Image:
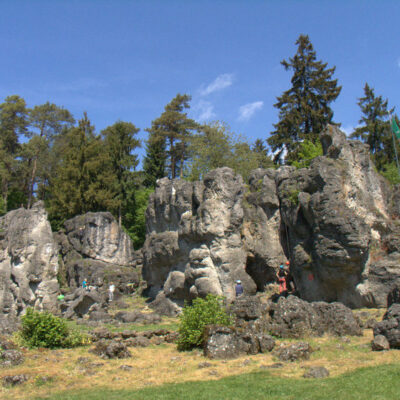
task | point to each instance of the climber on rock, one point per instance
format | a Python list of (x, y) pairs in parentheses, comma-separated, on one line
[(290, 286), (281, 275), (238, 288)]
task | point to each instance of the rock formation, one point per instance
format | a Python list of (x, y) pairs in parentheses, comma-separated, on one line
[(336, 221), (28, 264), (95, 248)]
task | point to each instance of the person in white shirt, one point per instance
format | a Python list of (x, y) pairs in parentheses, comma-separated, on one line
[(111, 292)]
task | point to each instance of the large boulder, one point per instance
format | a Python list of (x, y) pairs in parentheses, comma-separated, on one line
[(221, 342), (295, 318), (95, 248), (389, 327), (28, 264)]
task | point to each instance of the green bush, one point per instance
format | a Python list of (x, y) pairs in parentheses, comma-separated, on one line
[(194, 318), (43, 329)]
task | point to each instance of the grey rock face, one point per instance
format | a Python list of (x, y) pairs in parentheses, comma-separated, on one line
[(28, 265), (194, 245), (94, 248), (336, 213)]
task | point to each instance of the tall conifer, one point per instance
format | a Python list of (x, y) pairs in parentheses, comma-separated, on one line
[(304, 108), (375, 127)]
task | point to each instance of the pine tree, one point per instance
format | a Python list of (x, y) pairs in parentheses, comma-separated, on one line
[(304, 108), (120, 142), (47, 121), (375, 127), (154, 164), (176, 128)]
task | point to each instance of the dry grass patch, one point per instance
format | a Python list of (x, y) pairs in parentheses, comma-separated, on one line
[(69, 369)]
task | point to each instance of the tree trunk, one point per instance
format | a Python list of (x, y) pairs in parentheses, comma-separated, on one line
[(32, 183)]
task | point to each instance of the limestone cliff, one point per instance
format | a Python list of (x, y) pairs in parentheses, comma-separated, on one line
[(336, 221), (95, 248), (28, 264)]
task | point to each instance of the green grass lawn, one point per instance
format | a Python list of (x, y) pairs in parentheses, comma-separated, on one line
[(382, 382)]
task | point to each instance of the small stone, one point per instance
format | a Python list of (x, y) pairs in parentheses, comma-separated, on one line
[(213, 373), (316, 372), (204, 365), (126, 367), (12, 380), (380, 343)]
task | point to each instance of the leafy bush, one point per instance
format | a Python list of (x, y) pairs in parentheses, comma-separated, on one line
[(43, 329), (306, 152), (194, 318), (391, 173)]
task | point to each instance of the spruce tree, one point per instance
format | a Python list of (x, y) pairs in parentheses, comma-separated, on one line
[(304, 108), (154, 164), (84, 181), (375, 127), (120, 142)]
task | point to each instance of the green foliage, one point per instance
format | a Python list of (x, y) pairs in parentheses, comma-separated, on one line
[(155, 159), (176, 128), (195, 317), (3, 208), (391, 173), (294, 197), (85, 180), (135, 218), (215, 146), (43, 329), (375, 129), (304, 108), (306, 152), (16, 198), (120, 142)]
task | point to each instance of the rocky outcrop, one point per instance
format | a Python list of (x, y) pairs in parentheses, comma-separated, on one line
[(95, 248), (28, 264), (336, 221), (194, 245), (337, 216)]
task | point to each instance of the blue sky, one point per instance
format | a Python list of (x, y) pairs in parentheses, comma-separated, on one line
[(126, 60)]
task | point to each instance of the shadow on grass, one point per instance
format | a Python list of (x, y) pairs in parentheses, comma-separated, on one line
[(376, 383)]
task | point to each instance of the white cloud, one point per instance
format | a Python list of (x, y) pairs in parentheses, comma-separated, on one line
[(248, 110), (221, 82), (205, 110)]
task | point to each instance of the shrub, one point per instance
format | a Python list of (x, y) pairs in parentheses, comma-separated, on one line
[(43, 329), (194, 318)]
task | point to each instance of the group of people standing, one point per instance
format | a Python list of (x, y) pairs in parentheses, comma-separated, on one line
[(111, 289)]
